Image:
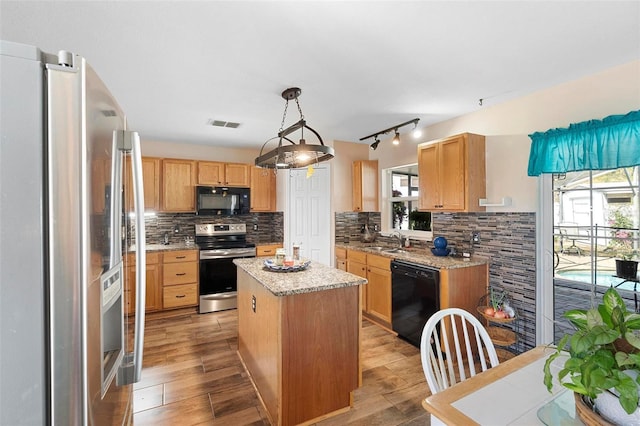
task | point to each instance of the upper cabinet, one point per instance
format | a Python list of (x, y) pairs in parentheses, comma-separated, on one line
[(178, 185), (263, 190), (151, 182), (452, 174), (365, 186), (228, 174)]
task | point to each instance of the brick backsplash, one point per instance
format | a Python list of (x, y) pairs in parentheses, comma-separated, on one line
[(269, 226)]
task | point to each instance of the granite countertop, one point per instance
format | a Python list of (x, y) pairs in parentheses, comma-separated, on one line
[(415, 255), (168, 247), (316, 277)]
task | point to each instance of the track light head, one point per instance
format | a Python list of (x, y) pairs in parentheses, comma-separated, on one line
[(374, 145), (416, 132), (396, 138)]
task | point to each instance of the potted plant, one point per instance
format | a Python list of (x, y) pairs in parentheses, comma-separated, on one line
[(604, 354), (420, 221), (626, 263)]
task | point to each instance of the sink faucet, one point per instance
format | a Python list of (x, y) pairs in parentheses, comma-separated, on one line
[(398, 236)]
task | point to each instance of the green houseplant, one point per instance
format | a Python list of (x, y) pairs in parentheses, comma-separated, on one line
[(602, 351), (420, 221)]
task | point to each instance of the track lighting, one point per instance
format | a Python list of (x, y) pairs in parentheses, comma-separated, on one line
[(416, 132), (396, 137), (375, 144)]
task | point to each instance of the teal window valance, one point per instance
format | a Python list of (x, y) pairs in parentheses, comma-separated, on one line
[(610, 143)]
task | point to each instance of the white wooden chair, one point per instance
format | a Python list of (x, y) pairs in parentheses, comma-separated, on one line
[(454, 346)]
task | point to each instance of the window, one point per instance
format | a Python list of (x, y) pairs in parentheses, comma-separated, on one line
[(400, 203), (596, 215)]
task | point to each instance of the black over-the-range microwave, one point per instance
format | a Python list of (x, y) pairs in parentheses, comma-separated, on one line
[(222, 200)]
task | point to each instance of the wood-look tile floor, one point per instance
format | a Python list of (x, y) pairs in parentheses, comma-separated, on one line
[(192, 375)]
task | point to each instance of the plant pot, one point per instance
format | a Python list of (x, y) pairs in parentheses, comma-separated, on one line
[(585, 412), (627, 269)]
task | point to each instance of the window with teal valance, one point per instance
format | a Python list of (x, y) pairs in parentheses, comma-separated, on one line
[(610, 143)]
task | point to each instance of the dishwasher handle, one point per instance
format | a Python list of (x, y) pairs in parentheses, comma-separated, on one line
[(417, 271)]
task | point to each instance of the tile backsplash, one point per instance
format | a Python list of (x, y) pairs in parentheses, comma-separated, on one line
[(509, 241), (506, 239), (262, 228)]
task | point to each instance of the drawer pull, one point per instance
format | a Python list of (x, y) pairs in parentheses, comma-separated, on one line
[(268, 251), (181, 274), (180, 296), (180, 257)]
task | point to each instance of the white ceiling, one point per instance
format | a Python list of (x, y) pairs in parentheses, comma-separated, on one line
[(362, 66)]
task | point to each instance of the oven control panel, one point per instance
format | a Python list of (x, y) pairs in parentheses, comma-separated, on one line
[(221, 229)]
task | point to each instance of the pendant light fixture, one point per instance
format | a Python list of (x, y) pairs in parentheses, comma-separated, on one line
[(289, 154)]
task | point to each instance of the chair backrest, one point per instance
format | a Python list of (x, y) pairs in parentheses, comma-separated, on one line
[(453, 343)]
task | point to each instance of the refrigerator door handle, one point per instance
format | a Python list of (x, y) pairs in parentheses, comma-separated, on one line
[(131, 370), (141, 256)]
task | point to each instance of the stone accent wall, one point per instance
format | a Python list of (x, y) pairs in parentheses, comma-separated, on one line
[(508, 240), (262, 228)]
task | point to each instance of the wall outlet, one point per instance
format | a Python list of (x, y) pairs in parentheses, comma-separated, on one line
[(475, 237), (176, 228), (255, 226)]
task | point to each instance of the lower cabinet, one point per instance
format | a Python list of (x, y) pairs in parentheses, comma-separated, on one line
[(376, 294), (153, 301), (379, 291), (179, 279), (341, 259)]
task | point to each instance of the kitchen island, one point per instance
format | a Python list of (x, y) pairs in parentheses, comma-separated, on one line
[(299, 338)]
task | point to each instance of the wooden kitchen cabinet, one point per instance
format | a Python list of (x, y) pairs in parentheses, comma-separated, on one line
[(153, 301), (151, 182), (228, 174), (178, 185), (263, 190), (365, 186), (357, 265), (452, 174), (267, 250), (379, 288), (180, 279), (341, 259)]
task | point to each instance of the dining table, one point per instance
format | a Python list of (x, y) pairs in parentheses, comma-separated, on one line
[(511, 393)]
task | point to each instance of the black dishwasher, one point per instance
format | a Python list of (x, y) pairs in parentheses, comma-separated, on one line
[(415, 296)]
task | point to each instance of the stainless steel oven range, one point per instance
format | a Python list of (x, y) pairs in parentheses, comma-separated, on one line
[(219, 244)]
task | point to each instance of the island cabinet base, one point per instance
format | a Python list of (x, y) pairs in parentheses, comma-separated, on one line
[(301, 350)]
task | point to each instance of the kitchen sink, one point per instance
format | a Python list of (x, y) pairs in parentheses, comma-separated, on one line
[(394, 250), (377, 248)]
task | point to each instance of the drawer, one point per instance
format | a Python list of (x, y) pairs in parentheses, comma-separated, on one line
[(180, 256), (357, 256), (180, 273), (379, 262), (153, 258), (341, 253), (269, 250), (180, 295)]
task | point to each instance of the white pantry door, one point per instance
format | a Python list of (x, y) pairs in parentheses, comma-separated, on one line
[(310, 213)]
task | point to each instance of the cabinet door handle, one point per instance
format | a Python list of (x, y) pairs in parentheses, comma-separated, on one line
[(180, 257), (181, 274), (180, 296)]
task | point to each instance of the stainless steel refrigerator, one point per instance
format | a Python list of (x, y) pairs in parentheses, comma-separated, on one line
[(69, 352)]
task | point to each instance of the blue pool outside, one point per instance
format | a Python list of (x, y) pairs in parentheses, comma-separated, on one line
[(602, 278)]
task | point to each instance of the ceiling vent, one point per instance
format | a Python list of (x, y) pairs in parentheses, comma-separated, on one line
[(220, 123)]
